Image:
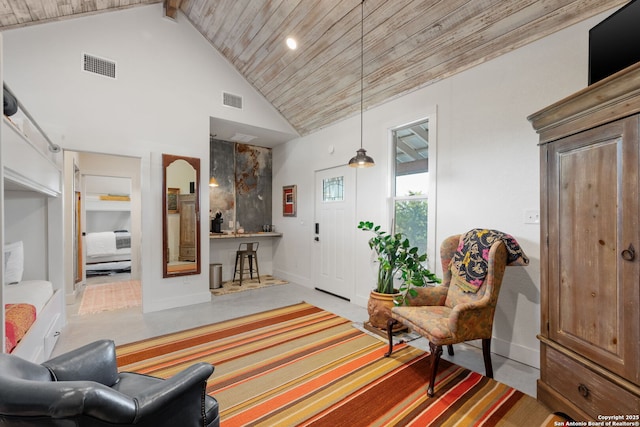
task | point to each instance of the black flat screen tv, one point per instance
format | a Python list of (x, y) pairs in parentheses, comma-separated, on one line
[(614, 44)]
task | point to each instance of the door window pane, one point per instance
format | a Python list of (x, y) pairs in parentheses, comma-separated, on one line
[(333, 189)]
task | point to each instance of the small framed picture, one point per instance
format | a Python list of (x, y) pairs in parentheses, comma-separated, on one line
[(172, 200), (289, 200)]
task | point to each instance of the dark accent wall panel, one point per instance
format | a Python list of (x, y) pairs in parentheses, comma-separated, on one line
[(253, 187), (244, 174), (222, 198)]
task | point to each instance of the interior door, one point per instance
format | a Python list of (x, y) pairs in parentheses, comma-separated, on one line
[(335, 227)]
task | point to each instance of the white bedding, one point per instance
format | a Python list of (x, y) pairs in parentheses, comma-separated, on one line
[(123, 254), (114, 265), (99, 244), (108, 244), (35, 292)]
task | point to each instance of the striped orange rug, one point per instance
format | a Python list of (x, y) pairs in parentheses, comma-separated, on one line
[(303, 366)]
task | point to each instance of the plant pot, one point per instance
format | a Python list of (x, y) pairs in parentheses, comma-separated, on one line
[(379, 309)]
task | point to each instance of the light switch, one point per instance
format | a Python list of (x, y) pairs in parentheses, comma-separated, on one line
[(532, 216)]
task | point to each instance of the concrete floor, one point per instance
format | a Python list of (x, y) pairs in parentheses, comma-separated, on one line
[(128, 325)]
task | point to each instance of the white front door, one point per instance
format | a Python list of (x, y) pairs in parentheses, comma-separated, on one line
[(335, 227)]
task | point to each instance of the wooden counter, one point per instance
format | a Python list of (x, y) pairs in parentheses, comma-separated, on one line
[(243, 235), (223, 247)]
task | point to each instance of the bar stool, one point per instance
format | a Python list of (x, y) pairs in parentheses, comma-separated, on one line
[(249, 251)]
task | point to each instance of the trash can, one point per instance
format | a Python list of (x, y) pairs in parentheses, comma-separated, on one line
[(215, 276)]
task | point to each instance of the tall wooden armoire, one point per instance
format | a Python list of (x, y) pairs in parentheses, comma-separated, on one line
[(187, 244), (590, 250)]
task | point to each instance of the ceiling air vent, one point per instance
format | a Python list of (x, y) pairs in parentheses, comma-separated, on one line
[(104, 67), (231, 100)]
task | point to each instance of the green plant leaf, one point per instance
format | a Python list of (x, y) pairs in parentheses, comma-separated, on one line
[(397, 258)]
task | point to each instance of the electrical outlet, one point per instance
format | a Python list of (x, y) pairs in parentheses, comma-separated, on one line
[(532, 216)]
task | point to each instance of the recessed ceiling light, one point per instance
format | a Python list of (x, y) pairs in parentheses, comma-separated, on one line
[(292, 43)]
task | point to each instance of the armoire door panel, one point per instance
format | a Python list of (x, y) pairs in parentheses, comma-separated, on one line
[(588, 197)]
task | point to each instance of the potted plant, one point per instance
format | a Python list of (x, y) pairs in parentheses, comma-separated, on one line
[(396, 258)]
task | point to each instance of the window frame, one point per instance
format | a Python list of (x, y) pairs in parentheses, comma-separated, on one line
[(430, 117)]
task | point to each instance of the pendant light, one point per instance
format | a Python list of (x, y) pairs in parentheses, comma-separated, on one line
[(361, 160)]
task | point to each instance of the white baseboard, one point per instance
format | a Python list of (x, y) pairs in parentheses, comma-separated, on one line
[(519, 353), (361, 300), (527, 355), (292, 278)]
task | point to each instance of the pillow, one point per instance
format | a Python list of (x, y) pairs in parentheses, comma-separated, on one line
[(13, 263)]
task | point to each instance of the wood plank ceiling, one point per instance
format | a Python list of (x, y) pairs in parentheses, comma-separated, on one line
[(408, 44)]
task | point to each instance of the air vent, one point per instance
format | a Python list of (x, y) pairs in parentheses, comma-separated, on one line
[(231, 100), (104, 67)]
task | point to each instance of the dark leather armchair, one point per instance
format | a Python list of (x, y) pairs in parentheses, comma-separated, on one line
[(84, 388)]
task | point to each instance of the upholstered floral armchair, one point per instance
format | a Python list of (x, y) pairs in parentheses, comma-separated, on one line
[(455, 312)]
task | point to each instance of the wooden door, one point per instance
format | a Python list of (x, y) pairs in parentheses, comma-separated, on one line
[(593, 219)]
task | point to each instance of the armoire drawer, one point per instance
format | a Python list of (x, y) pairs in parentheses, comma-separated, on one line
[(590, 391), (188, 252)]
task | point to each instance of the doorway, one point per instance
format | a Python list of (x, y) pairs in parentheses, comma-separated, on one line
[(335, 225), (108, 220)]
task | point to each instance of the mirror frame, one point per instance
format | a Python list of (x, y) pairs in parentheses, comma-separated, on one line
[(168, 159)]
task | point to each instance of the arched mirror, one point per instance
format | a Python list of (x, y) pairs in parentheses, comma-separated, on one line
[(181, 219)]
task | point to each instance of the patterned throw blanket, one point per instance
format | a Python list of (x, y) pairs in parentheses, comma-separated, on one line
[(18, 320), (470, 265)]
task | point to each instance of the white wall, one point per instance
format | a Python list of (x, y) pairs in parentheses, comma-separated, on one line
[(96, 185), (169, 82), (487, 169), (70, 185), (100, 185), (26, 220)]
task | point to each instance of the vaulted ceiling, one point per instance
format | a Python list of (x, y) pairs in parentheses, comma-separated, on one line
[(408, 44)]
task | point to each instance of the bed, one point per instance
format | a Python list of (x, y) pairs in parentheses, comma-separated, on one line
[(108, 251), (32, 176), (31, 316), (22, 303)]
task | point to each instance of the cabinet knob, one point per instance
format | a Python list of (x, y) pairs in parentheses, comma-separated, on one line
[(583, 390), (628, 254)]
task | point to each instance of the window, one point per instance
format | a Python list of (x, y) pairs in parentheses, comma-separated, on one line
[(411, 183)]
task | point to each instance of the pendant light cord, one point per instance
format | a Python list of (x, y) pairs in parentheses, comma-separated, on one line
[(361, 160), (361, 73)]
